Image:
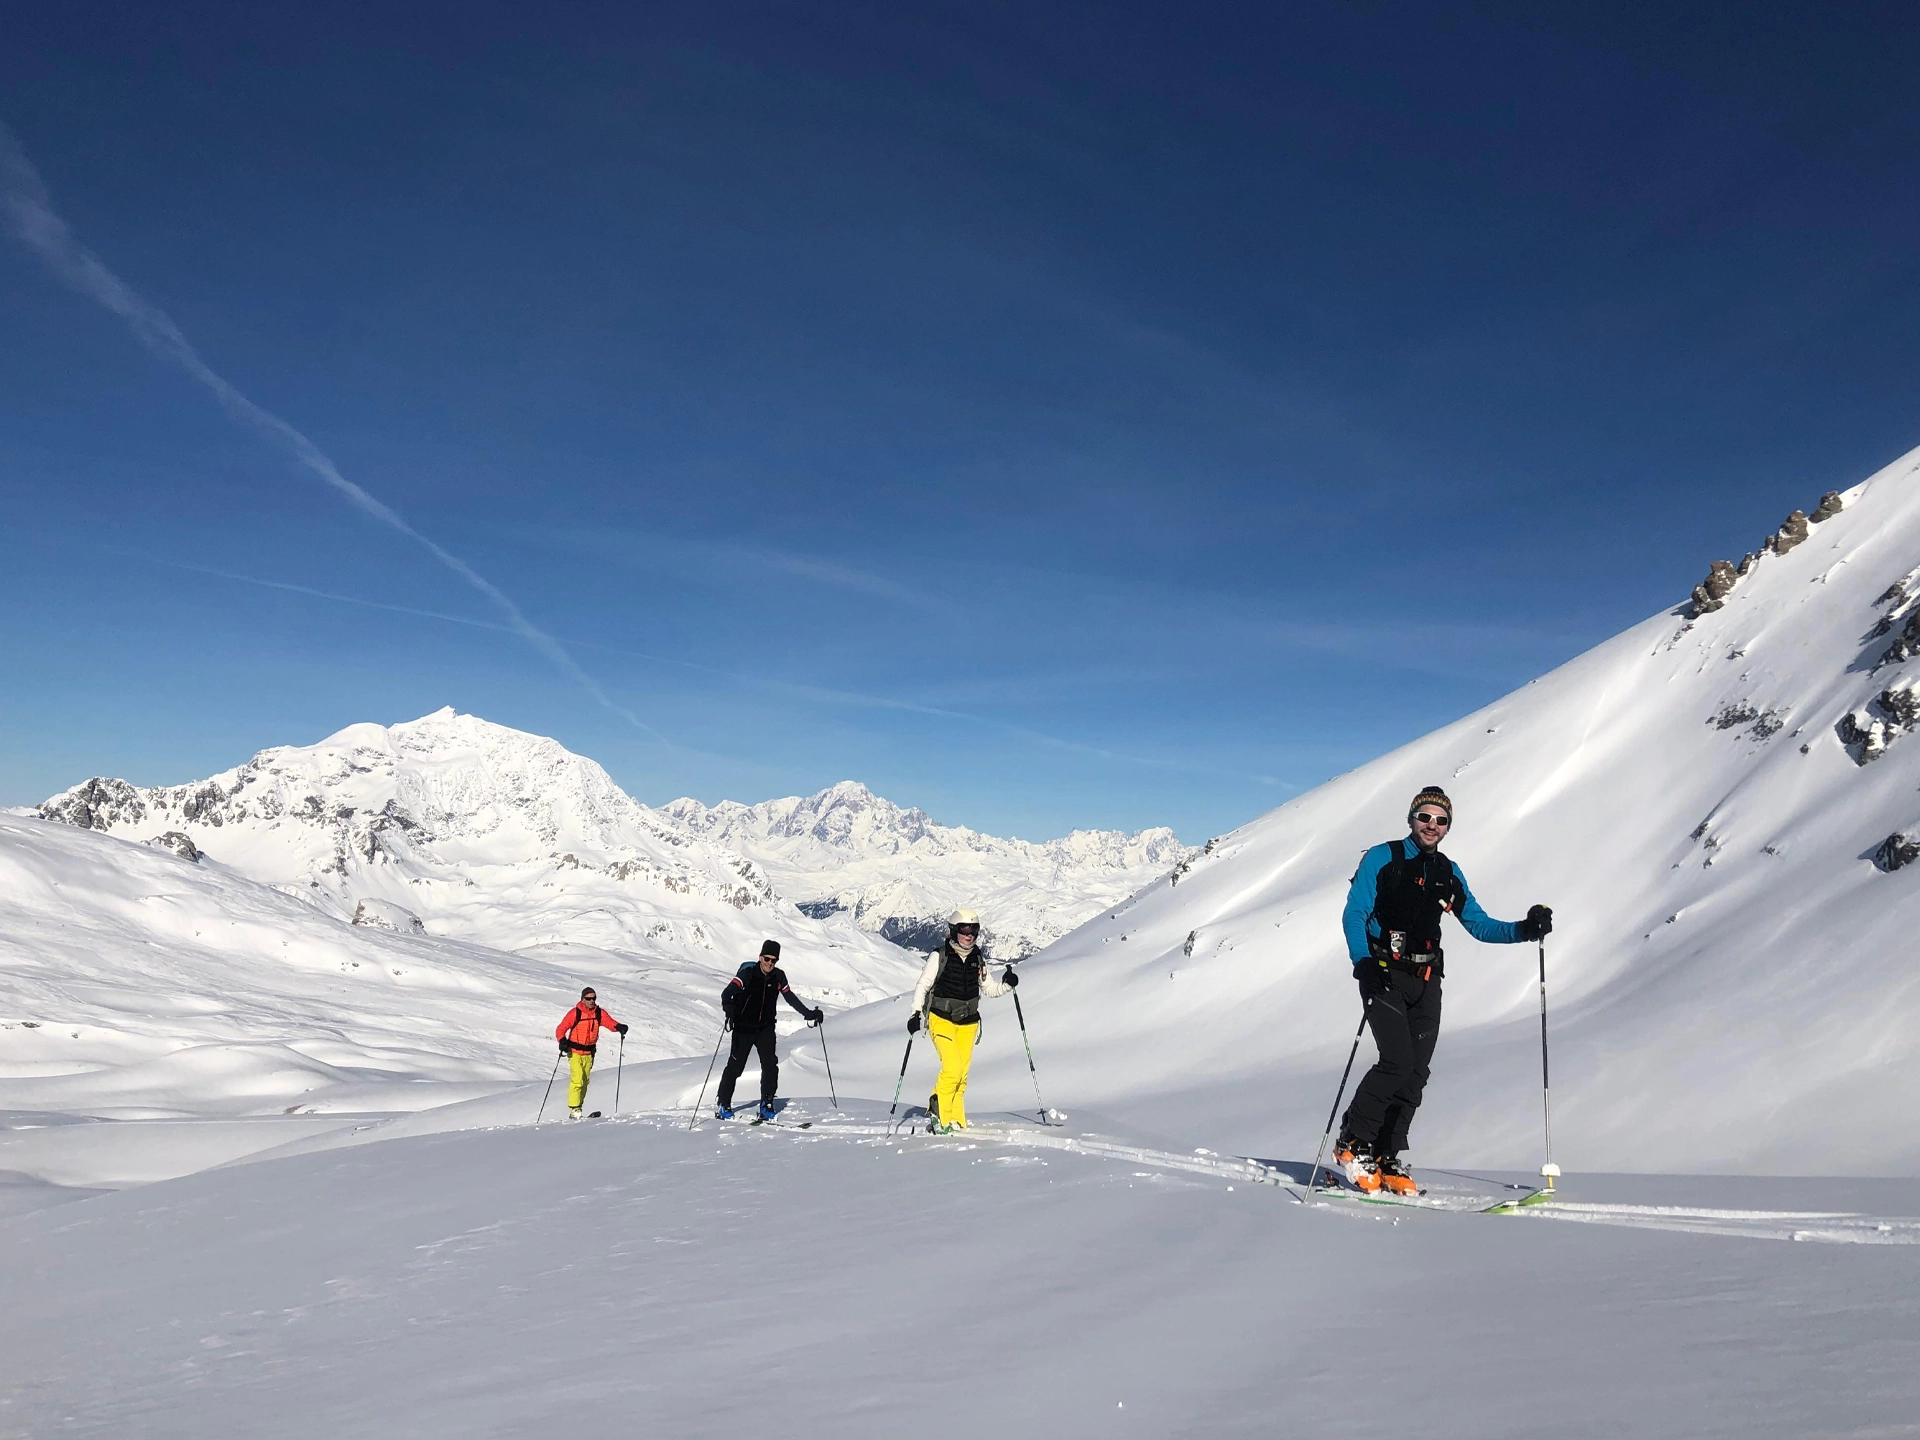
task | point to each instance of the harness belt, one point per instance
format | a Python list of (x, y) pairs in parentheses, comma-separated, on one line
[(1396, 954)]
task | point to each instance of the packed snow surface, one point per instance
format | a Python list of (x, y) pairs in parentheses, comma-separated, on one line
[(644, 1278), (898, 873)]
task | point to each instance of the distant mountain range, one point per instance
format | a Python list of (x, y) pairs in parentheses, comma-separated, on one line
[(279, 932), (453, 826), (899, 874)]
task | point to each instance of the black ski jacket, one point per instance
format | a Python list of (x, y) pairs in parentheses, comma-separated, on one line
[(749, 997)]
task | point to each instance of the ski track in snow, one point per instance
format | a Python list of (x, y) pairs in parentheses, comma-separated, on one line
[(1821, 1226)]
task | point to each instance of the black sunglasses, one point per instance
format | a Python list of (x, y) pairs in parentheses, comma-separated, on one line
[(966, 929), (1443, 821)]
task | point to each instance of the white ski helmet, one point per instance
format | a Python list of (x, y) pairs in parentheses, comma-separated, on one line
[(963, 917)]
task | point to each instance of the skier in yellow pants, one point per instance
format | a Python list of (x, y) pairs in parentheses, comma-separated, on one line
[(578, 1033), (948, 997)]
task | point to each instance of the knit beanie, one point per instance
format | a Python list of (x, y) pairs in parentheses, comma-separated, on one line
[(770, 949), (1430, 795)]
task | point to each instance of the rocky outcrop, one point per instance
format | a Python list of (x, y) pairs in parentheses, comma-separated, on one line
[(1869, 731), (174, 843), (1711, 594), (1792, 531), (1761, 724), (97, 804), (1896, 851), (385, 915), (1905, 645)]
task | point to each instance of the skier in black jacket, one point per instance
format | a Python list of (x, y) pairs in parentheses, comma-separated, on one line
[(1392, 924), (749, 1001)]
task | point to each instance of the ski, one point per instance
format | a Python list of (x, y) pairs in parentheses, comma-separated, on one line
[(781, 1124), (1510, 1207), (1499, 1207)]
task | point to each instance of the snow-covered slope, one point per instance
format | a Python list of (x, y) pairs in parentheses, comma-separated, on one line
[(1708, 803), (136, 984), (452, 826), (898, 874)]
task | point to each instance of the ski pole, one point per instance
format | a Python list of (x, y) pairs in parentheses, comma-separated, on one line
[(1029, 1044), (903, 1076), (1313, 1175), (619, 1069), (1550, 1170), (829, 1059), (695, 1118), (549, 1095)]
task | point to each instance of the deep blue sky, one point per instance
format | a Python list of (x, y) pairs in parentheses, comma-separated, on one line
[(1051, 415)]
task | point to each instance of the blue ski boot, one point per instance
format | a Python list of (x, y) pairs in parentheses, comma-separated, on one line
[(723, 1112), (767, 1112)]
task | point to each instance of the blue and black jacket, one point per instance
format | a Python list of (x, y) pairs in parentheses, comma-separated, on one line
[(1400, 889)]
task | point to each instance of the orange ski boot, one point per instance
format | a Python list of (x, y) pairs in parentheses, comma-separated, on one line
[(1360, 1168), (1394, 1178)]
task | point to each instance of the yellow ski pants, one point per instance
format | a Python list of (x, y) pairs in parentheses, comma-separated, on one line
[(579, 1069), (955, 1046)]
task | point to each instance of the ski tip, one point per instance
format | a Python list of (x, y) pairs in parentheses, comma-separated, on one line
[(1514, 1207)]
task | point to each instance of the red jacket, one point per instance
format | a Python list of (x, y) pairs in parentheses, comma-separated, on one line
[(581, 1030)]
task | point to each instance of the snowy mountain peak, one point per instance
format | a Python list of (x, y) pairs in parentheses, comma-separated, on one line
[(491, 793)]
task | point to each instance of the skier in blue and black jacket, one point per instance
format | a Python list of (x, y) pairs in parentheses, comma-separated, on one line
[(1392, 924)]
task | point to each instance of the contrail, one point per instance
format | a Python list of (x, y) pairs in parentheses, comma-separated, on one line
[(30, 216)]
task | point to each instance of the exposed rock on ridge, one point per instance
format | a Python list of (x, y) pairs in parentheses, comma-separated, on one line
[(1711, 593)]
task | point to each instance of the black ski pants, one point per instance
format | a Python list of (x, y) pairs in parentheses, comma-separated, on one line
[(1403, 1011), (745, 1042)]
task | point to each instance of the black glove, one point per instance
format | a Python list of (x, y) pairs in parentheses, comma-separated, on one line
[(814, 1017), (1538, 924), (913, 1023), (1008, 978), (621, 1028), (566, 1047)]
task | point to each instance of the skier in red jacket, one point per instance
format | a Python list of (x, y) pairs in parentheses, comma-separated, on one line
[(578, 1033)]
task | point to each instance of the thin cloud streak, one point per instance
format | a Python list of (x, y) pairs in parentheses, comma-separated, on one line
[(818, 693), (700, 560), (28, 210)]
